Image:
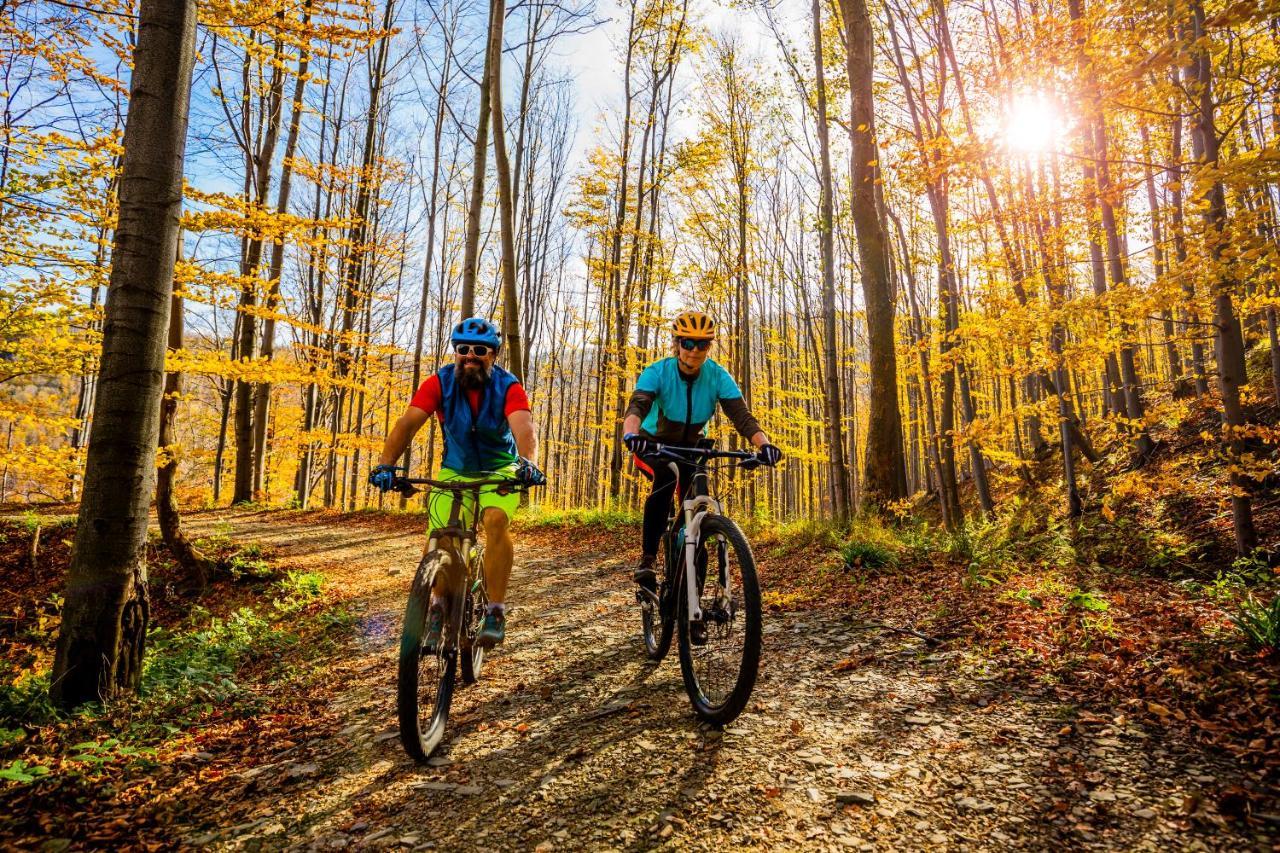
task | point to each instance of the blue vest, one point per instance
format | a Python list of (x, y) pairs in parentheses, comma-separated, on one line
[(482, 442)]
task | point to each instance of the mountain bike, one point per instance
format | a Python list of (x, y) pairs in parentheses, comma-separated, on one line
[(453, 565), (717, 605)]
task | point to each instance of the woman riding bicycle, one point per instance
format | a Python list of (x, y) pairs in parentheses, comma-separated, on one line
[(671, 404)]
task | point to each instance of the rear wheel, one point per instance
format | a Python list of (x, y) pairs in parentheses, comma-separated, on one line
[(424, 684), (719, 660), (472, 654), (657, 618)]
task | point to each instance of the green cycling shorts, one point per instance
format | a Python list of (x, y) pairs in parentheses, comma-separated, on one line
[(441, 501)]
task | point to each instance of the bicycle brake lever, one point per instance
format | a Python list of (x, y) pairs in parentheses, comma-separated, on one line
[(407, 489), (750, 464)]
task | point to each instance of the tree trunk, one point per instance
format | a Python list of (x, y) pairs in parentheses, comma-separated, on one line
[(195, 565), (826, 236), (260, 162), (104, 622), (1228, 337), (476, 205), (506, 214), (433, 209), (886, 475), (275, 268), (1176, 174)]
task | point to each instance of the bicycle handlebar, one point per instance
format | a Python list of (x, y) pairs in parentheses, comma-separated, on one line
[(405, 485), (748, 460)]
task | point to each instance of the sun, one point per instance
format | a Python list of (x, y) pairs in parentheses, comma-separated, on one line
[(1032, 124)]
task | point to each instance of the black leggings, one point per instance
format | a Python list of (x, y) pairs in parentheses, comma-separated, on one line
[(657, 506)]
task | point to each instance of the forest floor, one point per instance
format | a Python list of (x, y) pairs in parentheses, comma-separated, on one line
[(856, 737)]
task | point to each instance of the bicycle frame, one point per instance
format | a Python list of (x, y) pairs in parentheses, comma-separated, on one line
[(466, 536), (695, 508)]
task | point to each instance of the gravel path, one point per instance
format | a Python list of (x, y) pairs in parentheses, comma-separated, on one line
[(572, 740)]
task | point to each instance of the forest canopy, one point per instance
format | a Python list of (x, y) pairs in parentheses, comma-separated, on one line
[(946, 243)]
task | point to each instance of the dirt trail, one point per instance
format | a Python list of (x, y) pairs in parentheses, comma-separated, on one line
[(573, 741)]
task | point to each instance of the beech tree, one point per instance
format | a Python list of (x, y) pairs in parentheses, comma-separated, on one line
[(886, 472), (104, 622)]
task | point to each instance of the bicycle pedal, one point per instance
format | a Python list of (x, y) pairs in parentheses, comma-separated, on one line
[(644, 596)]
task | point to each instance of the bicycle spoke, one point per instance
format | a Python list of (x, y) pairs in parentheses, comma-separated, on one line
[(716, 662)]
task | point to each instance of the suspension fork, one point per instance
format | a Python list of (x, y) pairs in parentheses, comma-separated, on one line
[(695, 510)]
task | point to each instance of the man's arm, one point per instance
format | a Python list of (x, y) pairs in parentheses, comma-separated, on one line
[(525, 433), (401, 434)]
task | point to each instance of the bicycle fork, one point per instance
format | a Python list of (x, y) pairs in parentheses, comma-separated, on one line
[(695, 509)]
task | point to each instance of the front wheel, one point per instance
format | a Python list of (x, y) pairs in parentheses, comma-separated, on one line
[(720, 658), (477, 602), (424, 684)]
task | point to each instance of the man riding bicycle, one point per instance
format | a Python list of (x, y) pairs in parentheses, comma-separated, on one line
[(488, 429), (672, 402)]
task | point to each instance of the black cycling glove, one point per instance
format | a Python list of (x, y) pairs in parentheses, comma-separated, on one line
[(638, 444), (769, 455)]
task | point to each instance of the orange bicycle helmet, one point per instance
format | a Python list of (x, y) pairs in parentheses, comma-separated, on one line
[(695, 325)]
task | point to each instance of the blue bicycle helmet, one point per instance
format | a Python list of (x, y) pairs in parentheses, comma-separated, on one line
[(477, 330)]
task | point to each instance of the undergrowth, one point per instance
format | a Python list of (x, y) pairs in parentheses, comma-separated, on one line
[(535, 518), (222, 660)]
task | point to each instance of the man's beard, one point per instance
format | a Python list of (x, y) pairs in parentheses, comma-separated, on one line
[(473, 375)]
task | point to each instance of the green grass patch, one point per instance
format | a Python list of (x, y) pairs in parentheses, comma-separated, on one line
[(228, 664), (197, 668), (1259, 622), (536, 518)]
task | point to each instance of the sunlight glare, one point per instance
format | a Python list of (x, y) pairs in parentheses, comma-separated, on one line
[(1032, 124)]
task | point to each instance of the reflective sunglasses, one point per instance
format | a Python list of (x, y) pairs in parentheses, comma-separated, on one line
[(689, 344), (472, 349)]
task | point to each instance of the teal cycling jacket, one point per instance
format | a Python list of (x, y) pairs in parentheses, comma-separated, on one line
[(675, 409)]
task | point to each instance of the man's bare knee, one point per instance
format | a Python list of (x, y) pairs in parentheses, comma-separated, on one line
[(495, 522)]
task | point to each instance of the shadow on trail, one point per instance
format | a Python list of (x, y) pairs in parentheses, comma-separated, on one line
[(572, 737)]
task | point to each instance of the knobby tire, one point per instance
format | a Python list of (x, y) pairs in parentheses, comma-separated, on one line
[(472, 655), (420, 738), (657, 621), (725, 710)]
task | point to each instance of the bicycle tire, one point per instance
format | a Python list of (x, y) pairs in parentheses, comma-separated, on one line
[(418, 739), (657, 627), (720, 709), (657, 621), (472, 654)]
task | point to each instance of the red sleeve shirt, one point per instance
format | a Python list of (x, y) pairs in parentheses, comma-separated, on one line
[(429, 395)]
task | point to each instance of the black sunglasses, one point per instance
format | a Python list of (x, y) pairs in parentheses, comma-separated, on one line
[(472, 349), (689, 344)]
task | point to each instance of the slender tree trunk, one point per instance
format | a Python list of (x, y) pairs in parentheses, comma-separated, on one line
[(275, 268), (1160, 268), (471, 257), (260, 164), (511, 342), (1176, 174), (433, 209), (826, 236), (1228, 338), (104, 621), (886, 476), (196, 566)]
